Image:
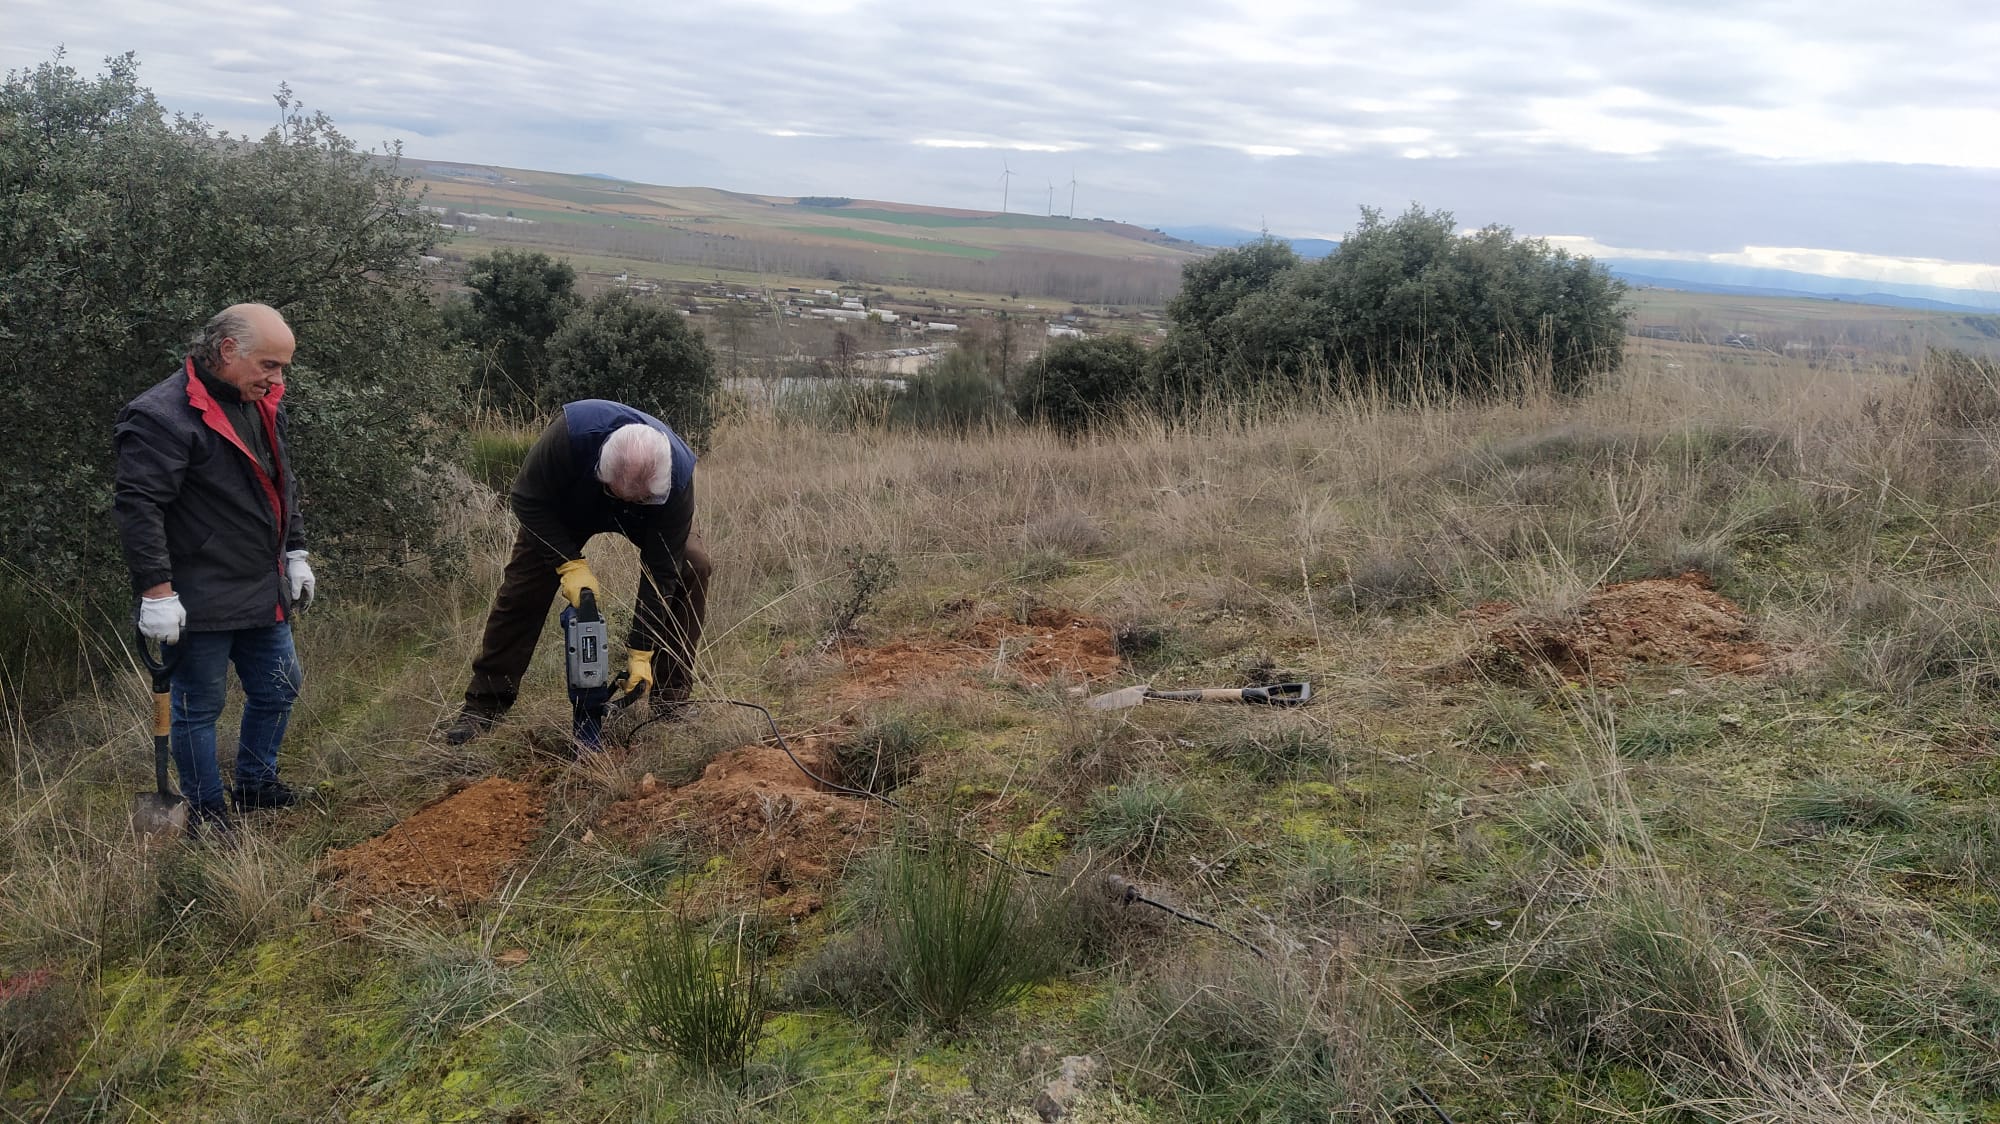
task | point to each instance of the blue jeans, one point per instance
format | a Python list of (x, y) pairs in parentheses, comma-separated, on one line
[(269, 669)]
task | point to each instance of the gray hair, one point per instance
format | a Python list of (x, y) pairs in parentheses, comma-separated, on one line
[(231, 323), (637, 459)]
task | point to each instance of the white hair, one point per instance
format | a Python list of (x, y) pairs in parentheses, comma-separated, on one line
[(232, 323), (637, 460)]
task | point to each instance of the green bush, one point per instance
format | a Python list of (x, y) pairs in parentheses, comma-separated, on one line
[(1406, 306), (883, 755), (1079, 383), (682, 993), (956, 395), (518, 300), (638, 352), (126, 229), (1142, 820), (963, 936), (1651, 982)]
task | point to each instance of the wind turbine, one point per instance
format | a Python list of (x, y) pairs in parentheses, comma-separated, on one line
[(1006, 181), (1052, 198), (1072, 193)]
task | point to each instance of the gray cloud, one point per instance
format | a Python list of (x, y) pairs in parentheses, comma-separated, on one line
[(1702, 125)]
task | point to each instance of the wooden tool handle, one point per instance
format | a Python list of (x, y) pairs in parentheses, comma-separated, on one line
[(1209, 694)]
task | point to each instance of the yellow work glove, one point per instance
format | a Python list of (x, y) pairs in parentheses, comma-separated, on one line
[(576, 577), (639, 674)]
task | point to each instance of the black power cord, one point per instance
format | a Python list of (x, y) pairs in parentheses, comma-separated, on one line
[(1125, 891)]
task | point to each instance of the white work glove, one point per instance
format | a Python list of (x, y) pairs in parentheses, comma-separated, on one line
[(162, 618), (301, 576)]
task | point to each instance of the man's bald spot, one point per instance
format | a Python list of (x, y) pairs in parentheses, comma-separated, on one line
[(257, 325)]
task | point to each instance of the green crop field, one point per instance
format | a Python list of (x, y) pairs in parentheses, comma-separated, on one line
[(894, 240)]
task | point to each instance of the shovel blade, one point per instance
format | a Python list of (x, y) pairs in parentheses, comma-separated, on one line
[(157, 817), (1119, 699)]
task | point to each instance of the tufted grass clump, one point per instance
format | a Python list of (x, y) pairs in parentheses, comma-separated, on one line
[(694, 995)]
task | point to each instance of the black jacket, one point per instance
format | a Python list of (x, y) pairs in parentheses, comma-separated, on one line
[(195, 508), (561, 504)]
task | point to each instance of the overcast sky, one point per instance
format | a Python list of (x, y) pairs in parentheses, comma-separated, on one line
[(1762, 129)]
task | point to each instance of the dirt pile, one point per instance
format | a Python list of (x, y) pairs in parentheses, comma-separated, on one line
[(753, 802), (454, 850), (1051, 644), (1680, 621)]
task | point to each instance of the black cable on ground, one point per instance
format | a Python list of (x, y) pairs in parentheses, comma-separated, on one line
[(1126, 891), (1442, 1114)]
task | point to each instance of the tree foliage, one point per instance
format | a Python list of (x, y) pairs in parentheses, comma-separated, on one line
[(1081, 382), (122, 229), (638, 352), (1407, 305), (517, 302)]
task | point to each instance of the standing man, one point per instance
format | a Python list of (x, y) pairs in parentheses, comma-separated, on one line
[(601, 467), (208, 514)]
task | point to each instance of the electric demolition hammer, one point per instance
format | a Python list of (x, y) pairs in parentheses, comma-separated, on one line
[(587, 657)]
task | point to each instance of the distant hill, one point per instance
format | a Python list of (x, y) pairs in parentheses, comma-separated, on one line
[(1714, 277), (1889, 300), (618, 226), (1229, 236)]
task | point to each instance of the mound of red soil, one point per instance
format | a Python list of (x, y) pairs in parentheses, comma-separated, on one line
[(1053, 643), (753, 802), (454, 850), (1680, 621)]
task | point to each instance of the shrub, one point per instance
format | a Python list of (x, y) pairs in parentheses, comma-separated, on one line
[(637, 352), (884, 755), (126, 230), (1323, 875), (956, 395), (1386, 579), (849, 973), (1080, 383), (684, 994), (1063, 534), (1143, 818), (1650, 982), (1407, 306), (870, 573), (518, 300), (963, 936), (1273, 751)]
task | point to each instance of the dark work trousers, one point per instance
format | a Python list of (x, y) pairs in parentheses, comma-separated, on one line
[(522, 606)]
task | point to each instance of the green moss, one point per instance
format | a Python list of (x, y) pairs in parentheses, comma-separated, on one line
[(1038, 842)]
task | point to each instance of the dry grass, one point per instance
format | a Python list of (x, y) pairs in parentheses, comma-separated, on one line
[(1581, 904)]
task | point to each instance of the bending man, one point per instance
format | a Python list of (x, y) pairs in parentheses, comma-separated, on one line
[(602, 467), (208, 514)]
